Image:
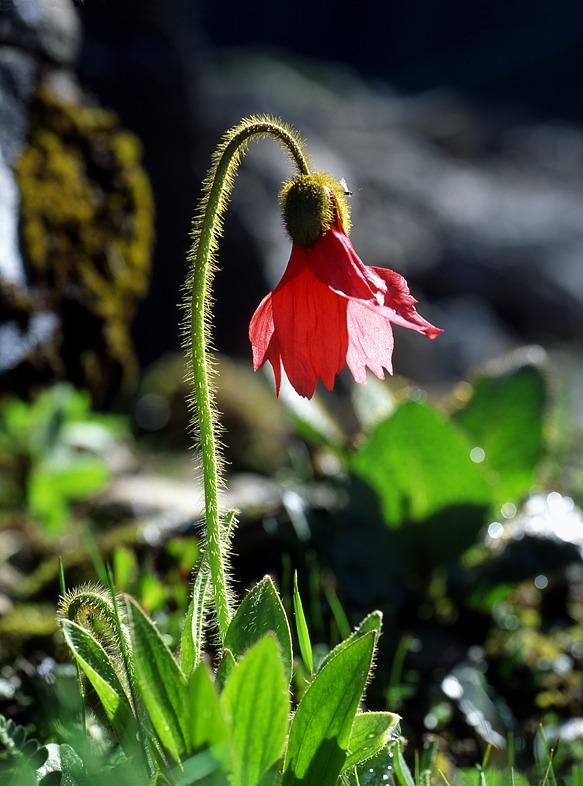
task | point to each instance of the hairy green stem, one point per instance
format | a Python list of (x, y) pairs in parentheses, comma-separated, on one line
[(207, 228)]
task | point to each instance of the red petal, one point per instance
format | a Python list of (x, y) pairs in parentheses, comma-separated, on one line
[(334, 261), (399, 304), (310, 324), (264, 340), (330, 309), (370, 341), (261, 330)]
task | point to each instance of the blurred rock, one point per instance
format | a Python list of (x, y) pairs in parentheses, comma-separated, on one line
[(47, 27), (30, 34)]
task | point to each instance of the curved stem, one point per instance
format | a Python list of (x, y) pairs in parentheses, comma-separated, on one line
[(207, 228)]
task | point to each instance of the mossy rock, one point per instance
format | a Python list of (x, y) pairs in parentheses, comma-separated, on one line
[(87, 232)]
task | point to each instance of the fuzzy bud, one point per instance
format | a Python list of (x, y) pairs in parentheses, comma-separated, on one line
[(309, 204)]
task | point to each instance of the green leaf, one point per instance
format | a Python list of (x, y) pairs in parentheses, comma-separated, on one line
[(370, 733), (47, 504), (227, 665), (74, 477), (208, 728), (320, 730), (256, 701), (426, 764), (302, 630), (192, 640), (469, 777), (160, 681), (372, 622), (125, 567), (101, 673), (402, 771), (260, 612), (192, 633), (52, 484), (378, 770), (504, 418), (419, 464), (62, 760), (189, 651), (202, 768)]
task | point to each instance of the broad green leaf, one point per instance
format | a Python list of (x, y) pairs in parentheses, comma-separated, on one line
[(504, 419), (373, 621), (321, 727), (370, 733), (256, 702), (73, 477), (207, 724), (99, 670), (260, 612), (419, 464), (302, 630), (161, 683)]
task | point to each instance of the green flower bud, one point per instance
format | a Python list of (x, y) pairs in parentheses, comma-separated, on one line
[(309, 204)]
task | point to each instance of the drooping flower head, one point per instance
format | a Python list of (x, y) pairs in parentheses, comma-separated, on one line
[(329, 309)]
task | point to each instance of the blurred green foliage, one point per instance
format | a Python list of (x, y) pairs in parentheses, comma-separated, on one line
[(53, 451)]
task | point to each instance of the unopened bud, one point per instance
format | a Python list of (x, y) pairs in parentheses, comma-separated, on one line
[(310, 204)]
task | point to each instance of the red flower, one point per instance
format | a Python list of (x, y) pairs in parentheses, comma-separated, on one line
[(329, 310)]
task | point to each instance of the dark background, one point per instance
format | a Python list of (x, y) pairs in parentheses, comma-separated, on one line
[(517, 52)]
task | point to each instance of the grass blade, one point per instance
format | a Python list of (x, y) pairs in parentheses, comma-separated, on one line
[(302, 629)]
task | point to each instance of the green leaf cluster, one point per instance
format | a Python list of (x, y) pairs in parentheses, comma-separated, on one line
[(181, 722)]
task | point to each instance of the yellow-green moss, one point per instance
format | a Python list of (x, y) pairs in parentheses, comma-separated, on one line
[(86, 221), (23, 623)]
